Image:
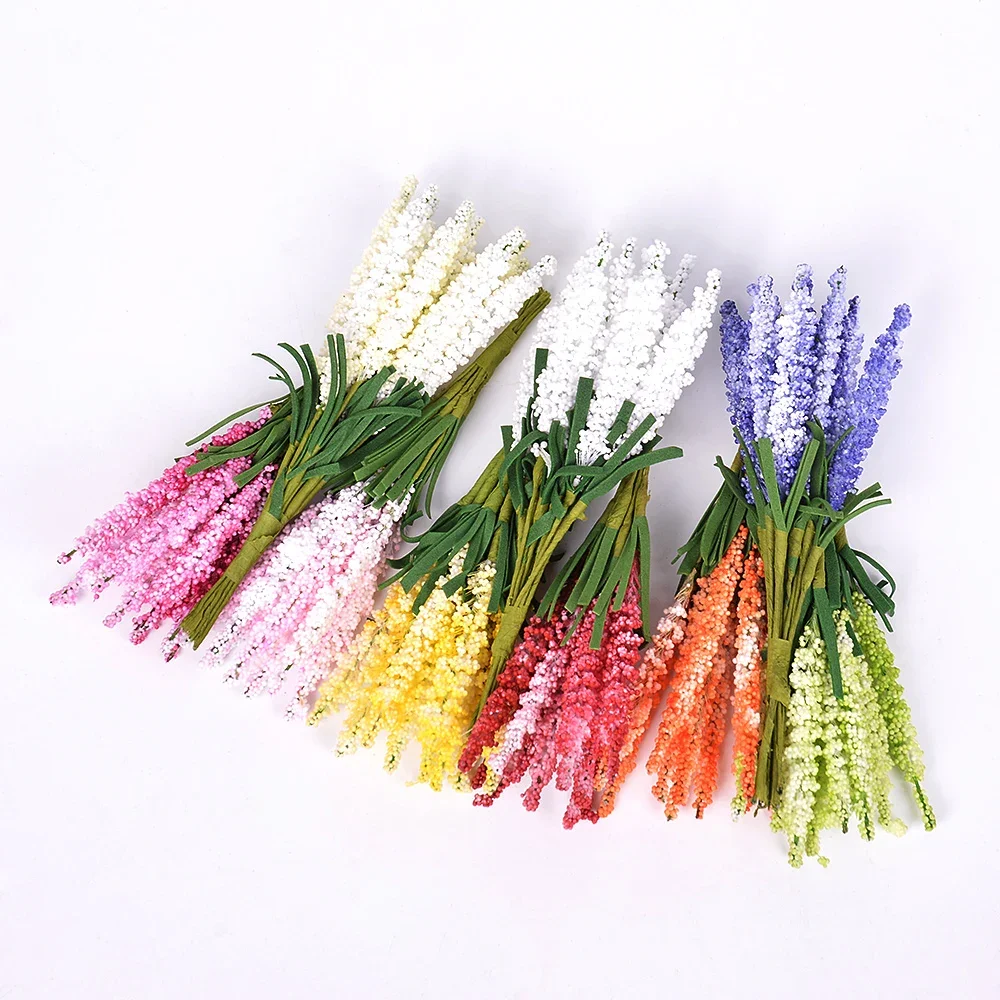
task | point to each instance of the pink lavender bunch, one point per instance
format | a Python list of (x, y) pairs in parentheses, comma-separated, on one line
[(166, 545), (299, 608)]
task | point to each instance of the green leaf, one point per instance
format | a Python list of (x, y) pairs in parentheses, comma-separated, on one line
[(765, 456), (828, 630), (801, 479)]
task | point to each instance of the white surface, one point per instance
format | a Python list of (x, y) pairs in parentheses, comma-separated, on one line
[(184, 184)]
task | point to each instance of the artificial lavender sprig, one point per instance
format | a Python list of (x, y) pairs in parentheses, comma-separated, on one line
[(829, 345), (869, 405), (734, 336), (761, 349), (793, 391)]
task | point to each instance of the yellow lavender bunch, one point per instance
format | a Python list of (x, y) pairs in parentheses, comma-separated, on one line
[(417, 677)]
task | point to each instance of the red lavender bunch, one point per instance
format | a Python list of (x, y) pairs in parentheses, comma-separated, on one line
[(167, 544), (562, 709)]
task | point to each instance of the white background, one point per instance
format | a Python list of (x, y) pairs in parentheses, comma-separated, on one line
[(183, 184)]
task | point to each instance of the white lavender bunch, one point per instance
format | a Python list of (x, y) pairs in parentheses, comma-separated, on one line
[(573, 331), (628, 329), (670, 369), (653, 340), (634, 327)]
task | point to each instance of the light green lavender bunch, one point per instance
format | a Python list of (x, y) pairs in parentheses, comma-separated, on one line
[(840, 752)]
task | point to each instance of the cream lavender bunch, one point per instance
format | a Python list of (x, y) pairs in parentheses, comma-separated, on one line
[(381, 402)]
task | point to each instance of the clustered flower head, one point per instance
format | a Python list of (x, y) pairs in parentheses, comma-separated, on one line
[(416, 677), (422, 300), (562, 710), (841, 751), (785, 365), (654, 671), (299, 608), (625, 325), (748, 642), (717, 663), (165, 546)]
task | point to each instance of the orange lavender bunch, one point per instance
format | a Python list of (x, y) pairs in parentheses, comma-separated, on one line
[(718, 662)]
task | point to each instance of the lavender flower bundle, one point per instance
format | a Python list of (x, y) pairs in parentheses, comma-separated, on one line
[(608, 368), (818, 711), (380, 404), (561, 708), (612, 357)]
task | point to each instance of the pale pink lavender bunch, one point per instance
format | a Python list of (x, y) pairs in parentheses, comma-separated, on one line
[(561, 710), (166, 545), (785, 367), (300, 607)]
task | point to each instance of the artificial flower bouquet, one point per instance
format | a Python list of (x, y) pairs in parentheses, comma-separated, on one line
[(777, 614), (331, 469), (502, 650)]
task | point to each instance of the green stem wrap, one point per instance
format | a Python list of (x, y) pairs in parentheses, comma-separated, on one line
[(793, 566), (199, 621), (803, 573)]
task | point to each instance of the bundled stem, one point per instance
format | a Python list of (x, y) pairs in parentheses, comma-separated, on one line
[(803, 573), (533, 555), (602, 565), (394, 466)]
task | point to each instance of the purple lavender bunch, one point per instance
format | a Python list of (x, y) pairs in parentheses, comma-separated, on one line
[(867, 407), (784, 366)]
